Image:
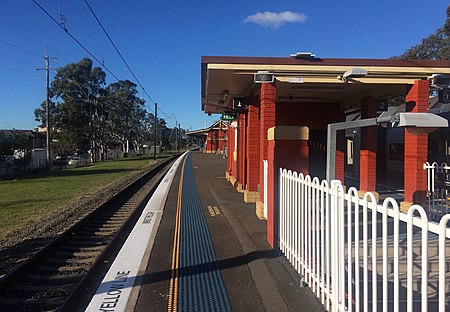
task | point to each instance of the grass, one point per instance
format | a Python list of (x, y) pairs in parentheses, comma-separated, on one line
[(26, 200)]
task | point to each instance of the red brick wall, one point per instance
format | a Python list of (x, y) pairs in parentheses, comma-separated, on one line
[(368, 154), (315, 115), (267, 120), (230, 144), (242, 148), (291, 154), (253, 141), (416, 147)]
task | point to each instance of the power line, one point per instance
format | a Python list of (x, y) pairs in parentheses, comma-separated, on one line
[(123, 59), (31, 37), (17, 60), (22, 49), (78, 42), (93, 56), (117, 50), (20, 71)]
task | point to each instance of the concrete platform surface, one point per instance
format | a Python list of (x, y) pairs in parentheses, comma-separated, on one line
[(254, 276)]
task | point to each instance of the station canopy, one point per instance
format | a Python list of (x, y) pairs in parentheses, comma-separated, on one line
[(311, 80)]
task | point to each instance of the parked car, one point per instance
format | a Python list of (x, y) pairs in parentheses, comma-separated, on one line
[(75, 161)]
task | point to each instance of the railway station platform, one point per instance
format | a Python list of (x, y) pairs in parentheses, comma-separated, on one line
[(210, 252)]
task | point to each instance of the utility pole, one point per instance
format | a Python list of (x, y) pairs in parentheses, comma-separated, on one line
[(179, 134), (47, 107), (176, 135), (155, 126)]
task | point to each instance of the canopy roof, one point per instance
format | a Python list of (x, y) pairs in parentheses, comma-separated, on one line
[(311, 80)]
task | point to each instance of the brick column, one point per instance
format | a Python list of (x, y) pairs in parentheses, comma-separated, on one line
[(340, 156), (368, 150), (287, 148), (230, 145), (266, 121), (241, 158), (251, 194), (416, 149), (232, 153)]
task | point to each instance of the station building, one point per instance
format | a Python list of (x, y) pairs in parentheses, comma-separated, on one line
[(283, 107), (214, 137)]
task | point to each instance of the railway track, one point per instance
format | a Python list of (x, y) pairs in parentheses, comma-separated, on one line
[(47, 280)]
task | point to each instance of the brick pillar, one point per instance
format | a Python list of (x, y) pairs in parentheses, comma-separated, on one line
[(241, 152), (233, 153), (251, 194), (368, 150), (340, 156), (287, 148), (416, 149), (266, 121), (230, 145)]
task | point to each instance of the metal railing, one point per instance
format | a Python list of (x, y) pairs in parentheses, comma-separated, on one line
[(358, 255), (438, 186)]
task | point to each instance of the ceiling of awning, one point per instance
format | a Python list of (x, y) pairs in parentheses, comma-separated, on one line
[(306, 81)]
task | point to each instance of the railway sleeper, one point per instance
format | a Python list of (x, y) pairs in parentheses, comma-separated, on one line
[(69, 261), (77, 254), (43, 288), (38, 304)]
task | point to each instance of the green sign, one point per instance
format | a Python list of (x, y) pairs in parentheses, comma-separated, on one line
[(227, 116)]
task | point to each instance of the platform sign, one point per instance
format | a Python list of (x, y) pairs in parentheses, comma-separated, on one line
[(228, 116), (382, 105), (263, 77), (239, 104)]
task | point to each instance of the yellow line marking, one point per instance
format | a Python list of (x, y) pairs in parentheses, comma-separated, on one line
[(173, 288)]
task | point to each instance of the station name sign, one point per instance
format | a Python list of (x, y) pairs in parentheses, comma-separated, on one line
[(228, 116), (263, 77)]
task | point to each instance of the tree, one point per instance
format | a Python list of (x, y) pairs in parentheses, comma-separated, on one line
[(77, 89), (435, 47), (126, 114), (18, 143)]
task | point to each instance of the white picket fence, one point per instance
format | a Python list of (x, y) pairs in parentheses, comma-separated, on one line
[(438, 185), (357, 255), (266, 167)]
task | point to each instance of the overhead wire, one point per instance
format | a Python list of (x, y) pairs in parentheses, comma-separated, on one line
[(117, 50), (17, 60), (20, 48), (93, 56), (36, 40), (22, 72), (76, 40), (123, 59)]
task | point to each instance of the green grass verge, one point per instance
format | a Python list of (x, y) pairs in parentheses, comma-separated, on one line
[(27, 200)]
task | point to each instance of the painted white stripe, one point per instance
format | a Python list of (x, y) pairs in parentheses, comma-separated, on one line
[(114, 292)]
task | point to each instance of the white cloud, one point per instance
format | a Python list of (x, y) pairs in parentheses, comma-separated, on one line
[(275, 20)]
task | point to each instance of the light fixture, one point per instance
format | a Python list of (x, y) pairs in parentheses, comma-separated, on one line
[(224, 95), (355, 72), (419, 123)]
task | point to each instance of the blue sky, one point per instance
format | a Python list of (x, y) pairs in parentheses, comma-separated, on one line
[(163, 41)]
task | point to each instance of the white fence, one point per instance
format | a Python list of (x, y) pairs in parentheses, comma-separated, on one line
[(438, 185), (266, 168), (357, 255)]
